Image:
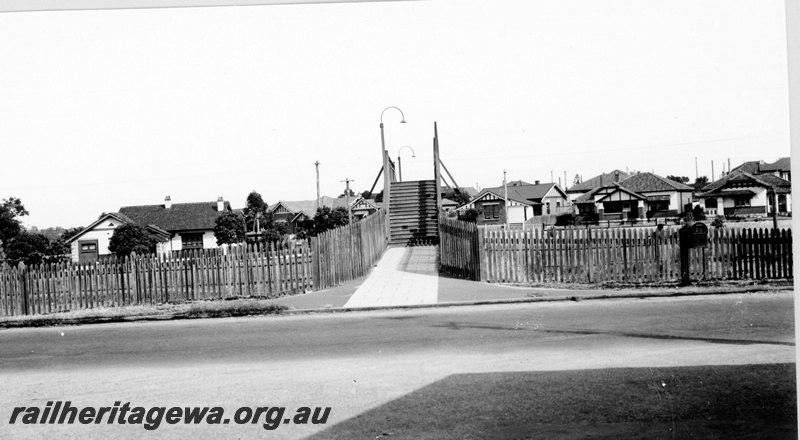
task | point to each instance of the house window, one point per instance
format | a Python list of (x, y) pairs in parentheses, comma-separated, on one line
[(192, 241), (548, 207), (741, 200), (711, 203), (626, 206), (89, 247), (491, 211), (611, 207), (659, 205)]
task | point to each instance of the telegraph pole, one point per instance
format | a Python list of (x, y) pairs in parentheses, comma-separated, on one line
[(316, 204), (505, 196), (347, 199)]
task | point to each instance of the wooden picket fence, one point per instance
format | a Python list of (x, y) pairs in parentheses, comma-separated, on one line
[(458, 248), (334, 257), (636, 255), (348, 252), (242, 271)]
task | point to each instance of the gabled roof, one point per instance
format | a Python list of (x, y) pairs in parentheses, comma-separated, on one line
[(115, 215), (620, 188), (179, 217), (782, 164), (598, 181), (649, 182), (308, 207), (775, 183), (522, 192), (752, 167)]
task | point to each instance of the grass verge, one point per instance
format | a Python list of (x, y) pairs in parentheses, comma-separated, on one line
[(200, 309)]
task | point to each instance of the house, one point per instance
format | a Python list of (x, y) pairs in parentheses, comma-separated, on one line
[(744, 194), (585, 186), (525, 201), (294, 213), (450, 197), (639, 196), (178, 226), (781, 168)]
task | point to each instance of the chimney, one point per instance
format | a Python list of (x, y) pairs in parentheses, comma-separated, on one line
[(167, 202), (220, 204), (535, 182), (616, 176)]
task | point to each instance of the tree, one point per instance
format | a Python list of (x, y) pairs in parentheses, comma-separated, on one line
[(71, 232), (679, 179), (698, 214), (130, 238), (700, 182), (274, 231), (344, 193), (34, 248), (461, 196), (469, 215), (327, 218), (10, 227), (229, 228), (255, 208)]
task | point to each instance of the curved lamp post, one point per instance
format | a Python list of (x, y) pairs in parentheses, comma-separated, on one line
[(384, 156), (399, 166), (385, 162)]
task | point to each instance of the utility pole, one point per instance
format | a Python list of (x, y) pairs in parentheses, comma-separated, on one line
[(316, 204), (729, 165), (505, 195), (713, 176), (565, 179), (347, 199)]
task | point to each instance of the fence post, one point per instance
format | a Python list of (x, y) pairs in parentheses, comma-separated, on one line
[(684, 247), (23, 287)]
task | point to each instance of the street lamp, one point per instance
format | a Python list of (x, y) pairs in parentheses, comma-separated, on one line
[(384, 156), (385, 162), (399, 166)]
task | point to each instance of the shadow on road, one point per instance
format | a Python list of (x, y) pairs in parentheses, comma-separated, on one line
[(744, 401)]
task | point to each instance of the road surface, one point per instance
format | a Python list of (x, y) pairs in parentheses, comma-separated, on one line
[(357, 362)]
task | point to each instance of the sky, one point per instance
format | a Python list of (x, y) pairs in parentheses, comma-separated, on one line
[(107, 108)]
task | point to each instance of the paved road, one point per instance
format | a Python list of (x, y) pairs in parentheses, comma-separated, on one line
[(359, 361)]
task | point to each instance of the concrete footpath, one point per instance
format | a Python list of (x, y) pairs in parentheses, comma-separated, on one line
[(407, 277)]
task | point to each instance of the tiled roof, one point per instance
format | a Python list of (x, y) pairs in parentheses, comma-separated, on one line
[(521, 193), (119, 217), (649, 182), (751, 167), (765, 180), (782, 164), (587, 197), (597, 181), (179, 217), (307, 207)]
